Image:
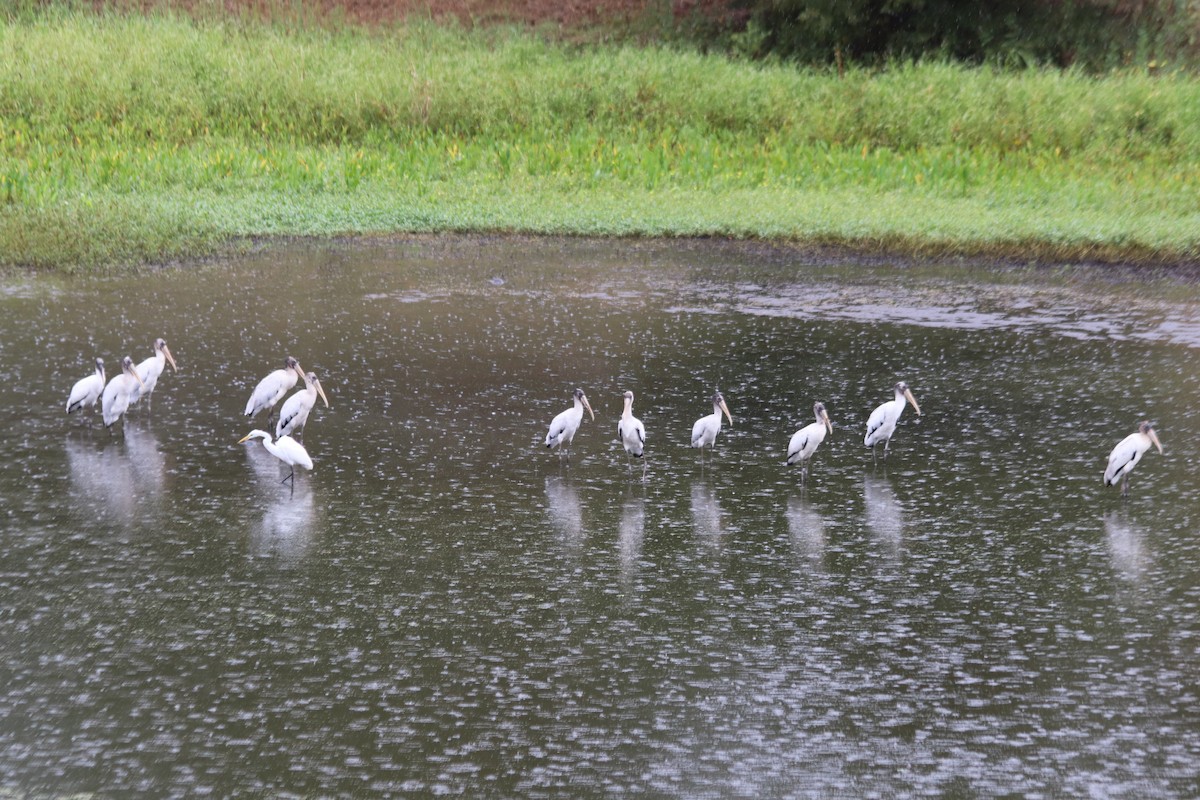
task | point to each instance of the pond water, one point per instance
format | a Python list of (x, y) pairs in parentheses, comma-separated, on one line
[(441, 606)]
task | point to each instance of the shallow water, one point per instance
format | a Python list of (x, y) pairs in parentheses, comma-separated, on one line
[(443, 607)]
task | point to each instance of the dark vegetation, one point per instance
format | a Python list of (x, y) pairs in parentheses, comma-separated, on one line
[(1090, 34)]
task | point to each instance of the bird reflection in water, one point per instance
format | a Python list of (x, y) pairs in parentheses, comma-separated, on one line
[(884, 516), (1131, 558), (288, 525), (631, 529), (706, 511), (117, 478), (564, 508), (807, 529)]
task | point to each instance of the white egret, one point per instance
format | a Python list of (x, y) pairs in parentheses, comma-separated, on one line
[(631, 431), (271, 389), (1126, 455), (805, 441), (118, 392), (151, 368), (563, 427), (705, 430), (882, 422), (86, 391), (285, 448), (294, 413)]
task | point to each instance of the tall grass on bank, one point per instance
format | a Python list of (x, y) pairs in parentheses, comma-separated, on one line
[(131, 139)]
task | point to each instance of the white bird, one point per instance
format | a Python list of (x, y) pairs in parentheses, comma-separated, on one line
[(86, 391), (805, 441), (151, 368), (271, 389), (705, 430), (882, 422), (563, 427), (285, 448), (631, 431), (1126, 455), (118, 392), (294, 413)]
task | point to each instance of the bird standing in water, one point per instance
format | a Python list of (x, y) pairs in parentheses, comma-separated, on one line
[(86, 391), (805, 441), (563, 427), (882, 422), (1126, 455), (632, 433)]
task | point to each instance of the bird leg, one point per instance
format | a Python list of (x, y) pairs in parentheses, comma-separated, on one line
[(290, 477)]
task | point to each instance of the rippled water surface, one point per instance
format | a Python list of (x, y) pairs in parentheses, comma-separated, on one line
[(441, 606)]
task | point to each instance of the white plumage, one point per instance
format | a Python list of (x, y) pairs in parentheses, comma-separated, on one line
[(86, 391), (882, 422), (1126, 455), (118, 392), (563, 427), (285, 448), (805, 441), (151, 368), (705, 429), (294, 414), (271, 389), (630, 430)]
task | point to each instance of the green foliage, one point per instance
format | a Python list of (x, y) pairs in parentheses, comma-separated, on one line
[(135, 139)]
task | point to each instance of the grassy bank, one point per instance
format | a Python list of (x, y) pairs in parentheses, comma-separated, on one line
[(128, 140)]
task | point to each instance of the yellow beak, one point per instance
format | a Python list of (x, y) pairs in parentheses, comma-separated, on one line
[(908, 394)]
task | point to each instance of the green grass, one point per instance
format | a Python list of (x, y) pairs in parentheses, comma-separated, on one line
[(127, 140)]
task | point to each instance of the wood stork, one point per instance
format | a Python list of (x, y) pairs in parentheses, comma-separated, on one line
[(705, 430), (118, 392), (631, 432), (882, 422), (806, 440), (271, 389), (151, 368), (563, 427), (1126, 455), (285, 448), (86, 391), (294, 413)]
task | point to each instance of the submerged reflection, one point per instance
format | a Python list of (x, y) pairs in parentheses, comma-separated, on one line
[(884, 516), (149, 463), (112, 477), (564, 509), (706, 510), (288, 525), (1131, 558), (807, 529), (630, 531)]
